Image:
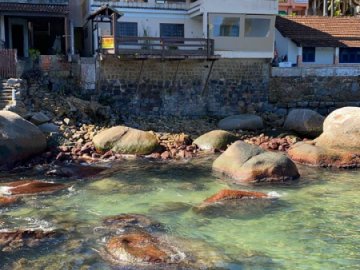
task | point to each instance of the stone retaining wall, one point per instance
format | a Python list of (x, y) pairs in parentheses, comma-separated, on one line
[(321, 89), (183, 88)]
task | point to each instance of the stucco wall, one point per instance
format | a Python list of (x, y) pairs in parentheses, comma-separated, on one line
[(179, 87)]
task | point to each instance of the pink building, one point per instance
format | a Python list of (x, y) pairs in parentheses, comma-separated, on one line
[(290, 7)]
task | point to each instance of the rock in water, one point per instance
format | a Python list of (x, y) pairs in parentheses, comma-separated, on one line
[(125, 140), (305, 122), (6, 201), (139, 247), (131, 221), (249, 163), (228, 194), (242, 121), (216, 139), (28, 187), (19, 139), (13, 240), (234, 202), (338, 145)]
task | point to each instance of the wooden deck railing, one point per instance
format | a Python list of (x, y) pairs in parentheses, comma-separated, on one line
[(164, 47), (8, 63)]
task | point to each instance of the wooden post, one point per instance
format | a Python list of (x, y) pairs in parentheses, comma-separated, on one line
[(66, 30), (114, 25)]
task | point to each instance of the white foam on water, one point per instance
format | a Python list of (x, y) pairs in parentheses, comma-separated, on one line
[(274, 194), (4, 190)]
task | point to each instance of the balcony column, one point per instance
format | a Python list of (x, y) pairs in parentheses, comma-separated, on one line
[(66, 31), (2, 28), (337, 56), (205, 25), (299, 57)]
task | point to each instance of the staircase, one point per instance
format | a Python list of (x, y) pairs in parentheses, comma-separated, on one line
[(5, 94)]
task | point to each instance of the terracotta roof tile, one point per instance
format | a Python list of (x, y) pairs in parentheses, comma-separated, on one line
[(17, 7), (315, 31)]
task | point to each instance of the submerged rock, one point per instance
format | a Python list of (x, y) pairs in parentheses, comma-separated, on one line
[(72, 170), (131, 221), (242, 121), (235, 202), (19, 139), (141, 247), (305, 122), (228, 194), (29, 187), (216, 139), (13, 240), (125, 140), (5, 201), (337, 146), (249, 163)]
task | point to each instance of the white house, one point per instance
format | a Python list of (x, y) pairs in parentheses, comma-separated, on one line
[(236, 28), (314, 40)]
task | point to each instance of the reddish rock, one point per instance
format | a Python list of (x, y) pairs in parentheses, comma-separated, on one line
[(165, 155), (12, 240), (5, 201), (138, 247), (228, 194), (31, 187)]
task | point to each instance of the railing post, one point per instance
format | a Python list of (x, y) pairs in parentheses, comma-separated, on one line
[(13, 96)]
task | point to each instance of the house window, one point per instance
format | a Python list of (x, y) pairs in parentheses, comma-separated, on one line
[(257, 27), (308, 54), (349, 55), (226, 27), (127, 29), (172, 30)]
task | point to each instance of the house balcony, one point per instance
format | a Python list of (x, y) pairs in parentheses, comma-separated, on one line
[(155, 47), (155, 4)]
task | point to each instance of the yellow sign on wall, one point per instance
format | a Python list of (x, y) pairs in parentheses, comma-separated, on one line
[(107, 43)]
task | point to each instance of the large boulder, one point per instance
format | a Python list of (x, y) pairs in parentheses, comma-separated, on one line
[(242, 121), (339, 144), (125, 140), (19, 139), (249, 163), (216, 139), (305, 122)]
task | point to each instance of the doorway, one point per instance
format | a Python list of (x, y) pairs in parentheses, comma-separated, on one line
[(17, 31)]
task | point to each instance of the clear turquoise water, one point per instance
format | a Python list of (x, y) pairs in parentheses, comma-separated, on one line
[(314, 225)]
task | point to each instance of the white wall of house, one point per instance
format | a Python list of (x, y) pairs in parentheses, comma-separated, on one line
[(324, 56), (292, 52), (243, 6)]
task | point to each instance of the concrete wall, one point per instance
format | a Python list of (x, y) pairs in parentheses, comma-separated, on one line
[(179, 87)]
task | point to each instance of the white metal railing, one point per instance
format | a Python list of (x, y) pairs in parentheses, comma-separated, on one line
[(44, 2), (141, 4)]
